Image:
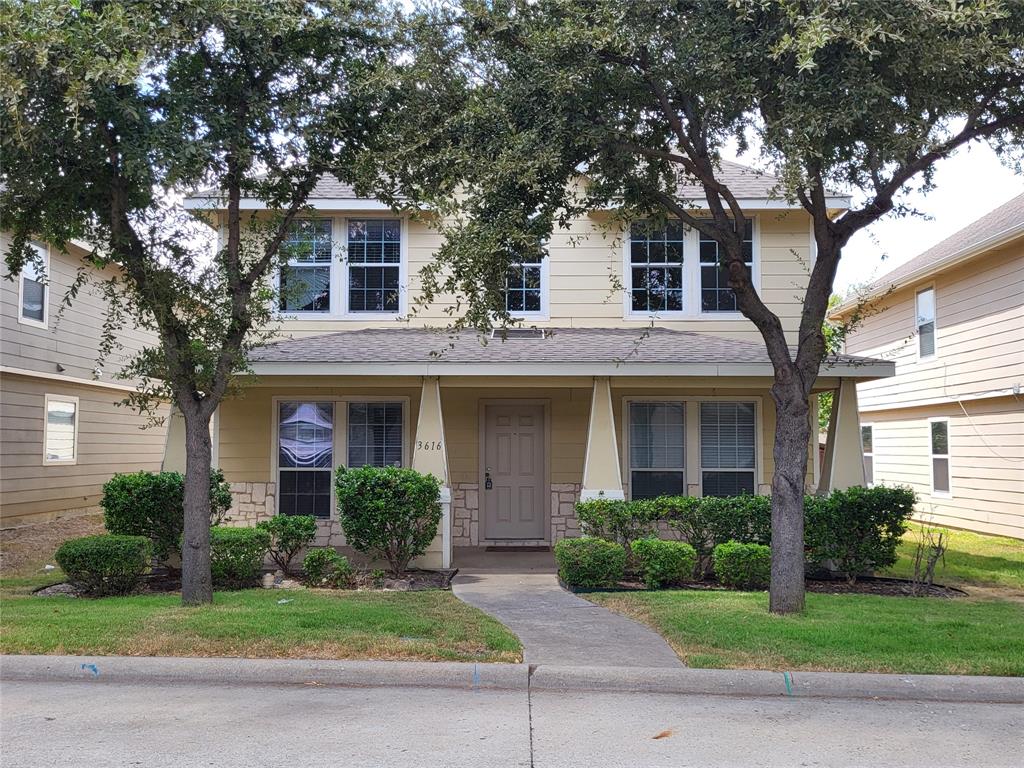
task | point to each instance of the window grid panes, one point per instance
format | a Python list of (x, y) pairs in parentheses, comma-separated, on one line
[(374, 257), (657, 449), (939, 439), (926, 322), (523, 287), (867, 440), (715, 293), (60, 430), (375, 434), (33, 287), (305, 284), (656, 268), (727, 448), (305, 458)]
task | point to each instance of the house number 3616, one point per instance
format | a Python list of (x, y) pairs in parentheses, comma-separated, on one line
[(428, 445)]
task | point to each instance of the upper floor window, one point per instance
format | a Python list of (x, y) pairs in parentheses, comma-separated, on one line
[(524, 287), (32, 288), (926, 322), (656, 268), (306, 278), (715, 293), (374, 265)]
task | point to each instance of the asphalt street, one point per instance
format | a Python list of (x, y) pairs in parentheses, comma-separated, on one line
[(105, 723)]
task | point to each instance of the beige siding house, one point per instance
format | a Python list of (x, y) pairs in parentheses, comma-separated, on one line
[(62, 434), (950, 423), (632, 373)]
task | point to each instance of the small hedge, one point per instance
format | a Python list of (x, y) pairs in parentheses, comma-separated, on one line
[(236, 556), (662, 563), (615, 520), (325, 567), (288, 535), (590, 562), (105, 565), (743, 566), (152, 504)]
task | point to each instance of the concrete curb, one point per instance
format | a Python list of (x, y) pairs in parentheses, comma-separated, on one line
[(514, 677)]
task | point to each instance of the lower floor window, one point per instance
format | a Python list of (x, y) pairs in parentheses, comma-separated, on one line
[(940, 456), (305, 458), (60, 442), (375, 434), (657, 439), (727, 448), (867, 445)]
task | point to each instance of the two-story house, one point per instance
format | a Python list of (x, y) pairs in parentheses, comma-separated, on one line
[(633, 374), (62, 433), (950, 423)]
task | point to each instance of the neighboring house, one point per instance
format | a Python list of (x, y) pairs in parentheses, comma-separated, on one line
[(950, 423), (659, 388), (61, 433)]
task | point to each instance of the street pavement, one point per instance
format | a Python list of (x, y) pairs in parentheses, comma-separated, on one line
[(138, 722)]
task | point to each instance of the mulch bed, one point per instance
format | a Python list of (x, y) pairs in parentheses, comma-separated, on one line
[(865, 585)]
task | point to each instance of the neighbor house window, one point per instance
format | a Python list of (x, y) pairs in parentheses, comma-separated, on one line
[(657, 440), (32, 287), (940, 456), (926, 322), (60, 441), (867, 446), (305, 458), (656, 268), (374, 265), (306, 277), (524, 287), (727, 448), (715, 293), (375, 434)]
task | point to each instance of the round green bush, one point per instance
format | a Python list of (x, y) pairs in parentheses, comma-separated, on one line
[(325, 567), (288, 535), (743, 566), (236, 556), (664, 563), (105, 565), (590, 562)]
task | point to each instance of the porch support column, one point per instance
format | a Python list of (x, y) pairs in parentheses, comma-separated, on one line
[(430, 456), (843, 465), (602, 474), (174, 442)]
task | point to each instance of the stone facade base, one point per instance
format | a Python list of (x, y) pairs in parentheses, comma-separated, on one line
[(253, 502), (466, 527)]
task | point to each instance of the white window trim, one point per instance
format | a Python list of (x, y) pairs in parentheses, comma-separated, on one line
[(340, 274), (545, 292), (340, 446), (935, 322), (691, 425), (871, 453), (47, 399), (691, 279), (45, 322), (948, 456)]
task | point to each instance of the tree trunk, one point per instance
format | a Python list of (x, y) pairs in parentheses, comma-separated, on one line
[(196, 581), (792, 435)]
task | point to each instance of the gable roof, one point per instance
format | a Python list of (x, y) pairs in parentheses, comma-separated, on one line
[(995, 228)]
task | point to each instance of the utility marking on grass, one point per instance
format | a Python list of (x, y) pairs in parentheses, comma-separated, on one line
[(788, 678), (91, 668)]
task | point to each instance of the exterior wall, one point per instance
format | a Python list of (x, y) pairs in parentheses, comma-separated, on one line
[(110, 439), (986, 447), (585, 271)]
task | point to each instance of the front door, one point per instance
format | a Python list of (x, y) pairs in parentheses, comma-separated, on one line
[(513, 490)]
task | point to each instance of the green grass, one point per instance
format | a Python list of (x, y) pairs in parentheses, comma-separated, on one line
[(428, 625), (972, 559), (850, 633)]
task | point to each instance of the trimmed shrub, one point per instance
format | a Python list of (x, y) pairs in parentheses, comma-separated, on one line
[(325, 567), (622, 522), (705, 522), (663, 562), (288, 535), (388, 512), (743, 566), (106, 564), (152, 504), (590, 561), (236, 556), (857, 529)]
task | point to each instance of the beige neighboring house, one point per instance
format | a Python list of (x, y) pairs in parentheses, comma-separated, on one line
[(661, 387), (61, 433), (950, 423)]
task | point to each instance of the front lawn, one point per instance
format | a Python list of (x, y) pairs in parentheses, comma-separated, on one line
[(847, 633), (428, 625), (972, 558)]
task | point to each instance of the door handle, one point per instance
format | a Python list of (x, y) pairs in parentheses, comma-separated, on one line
[(488, 483)]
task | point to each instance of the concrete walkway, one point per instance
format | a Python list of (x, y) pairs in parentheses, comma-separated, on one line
[(559, 628)]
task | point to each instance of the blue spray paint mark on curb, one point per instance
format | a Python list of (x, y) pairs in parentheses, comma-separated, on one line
[(91, 668), (476, 676), (789, 683)]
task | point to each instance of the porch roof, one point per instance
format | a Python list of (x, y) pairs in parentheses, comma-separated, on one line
[(561, 351)]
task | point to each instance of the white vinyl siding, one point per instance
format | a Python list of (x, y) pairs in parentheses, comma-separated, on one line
[(728, 452)]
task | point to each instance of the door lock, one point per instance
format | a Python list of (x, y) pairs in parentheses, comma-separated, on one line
[(488, 483)]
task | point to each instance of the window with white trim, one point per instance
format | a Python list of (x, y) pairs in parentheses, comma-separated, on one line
[(656, 267), (867, 447), (32, 287), (727, 448), (715, 293), (305, 283), (657, 449), (926, 322), (939, 440), (305, 459), (374, 265), (375, 434), (524, 287), (60, 440)]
